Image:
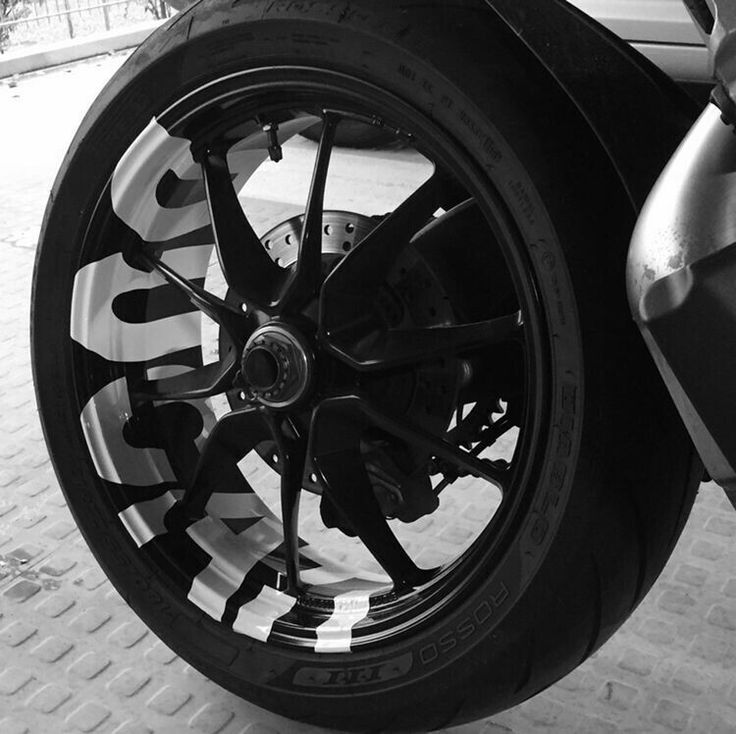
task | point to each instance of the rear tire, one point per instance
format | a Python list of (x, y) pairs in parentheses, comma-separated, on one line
[(609, 474)]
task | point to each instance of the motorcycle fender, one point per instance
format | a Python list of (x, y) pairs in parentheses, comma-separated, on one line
[(680, 277), (637, 113)]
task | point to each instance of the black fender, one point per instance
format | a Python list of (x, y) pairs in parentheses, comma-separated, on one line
[(637, 113)]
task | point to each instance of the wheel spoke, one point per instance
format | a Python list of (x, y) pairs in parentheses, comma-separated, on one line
[(292, 454), (416, 436), (399, 347), (221, 312), (234, 435), (352, 286), (306, 279), (335, 449), (487, 438), (248, 268), (211, 379)]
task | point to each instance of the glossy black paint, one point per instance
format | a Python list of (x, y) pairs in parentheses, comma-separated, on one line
[(638, 114)]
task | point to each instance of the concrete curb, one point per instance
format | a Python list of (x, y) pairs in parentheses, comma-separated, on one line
[(53, 54)]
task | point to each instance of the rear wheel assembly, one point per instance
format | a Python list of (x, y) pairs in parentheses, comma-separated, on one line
[(343, 424)]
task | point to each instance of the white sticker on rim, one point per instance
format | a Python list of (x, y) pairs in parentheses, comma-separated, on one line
[(256, 618), (96, 327), (336, 634), (103, 419), (233, 556)]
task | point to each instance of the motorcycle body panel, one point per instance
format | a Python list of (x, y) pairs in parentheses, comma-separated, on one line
[(682, 262), (681, 270)]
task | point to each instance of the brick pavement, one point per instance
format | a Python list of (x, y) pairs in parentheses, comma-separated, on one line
[(74, 658)]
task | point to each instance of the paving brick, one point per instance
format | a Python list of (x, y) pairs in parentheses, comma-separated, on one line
[(49, 698), (60, 530), (91, 619), (657, 631), (493, 728), (638, 662), (258, 728), (29, 519), (692, 575), (112, 596), (16, 633), (618, 694), (57, 565), (33, 487), (594, 725), (91, 579), (543, 712), (13, 679), (717, 725), (89, 716), (10, 725), (129, 682), (191, 672), (22, 591), (723, 617), (52, 649), (7, 477), (6, 507), (672, 715), (690, 679), (128, 634), (168, 700), (132, 727), (706, 550), (211, 719), (729, 588), (160, 653), (89, 665), (457, 534), (57, 500), (25, 553), (718, 525), (677, 601), (56, 605), (576, 681), (708, 648)]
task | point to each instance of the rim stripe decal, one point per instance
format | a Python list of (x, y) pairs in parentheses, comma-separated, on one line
[(114, 458), (155, 151), (233, 556), (224, 506), (136, 177), (97, 328), (335, 635), (256, 618), (145, 520)]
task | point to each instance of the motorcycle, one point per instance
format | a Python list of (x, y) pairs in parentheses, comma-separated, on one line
[(396, 457)]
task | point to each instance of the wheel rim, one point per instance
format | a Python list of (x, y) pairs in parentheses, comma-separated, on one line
[(311, 370)]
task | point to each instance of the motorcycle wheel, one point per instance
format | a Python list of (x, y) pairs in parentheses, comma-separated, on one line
[(465, 344)]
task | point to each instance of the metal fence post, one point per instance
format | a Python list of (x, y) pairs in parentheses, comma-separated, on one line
[(69, 19)]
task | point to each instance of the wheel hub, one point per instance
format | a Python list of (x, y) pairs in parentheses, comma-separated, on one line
[(277, 365)]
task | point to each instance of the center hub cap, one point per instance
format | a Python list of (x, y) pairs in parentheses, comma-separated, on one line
[(277, 365)]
